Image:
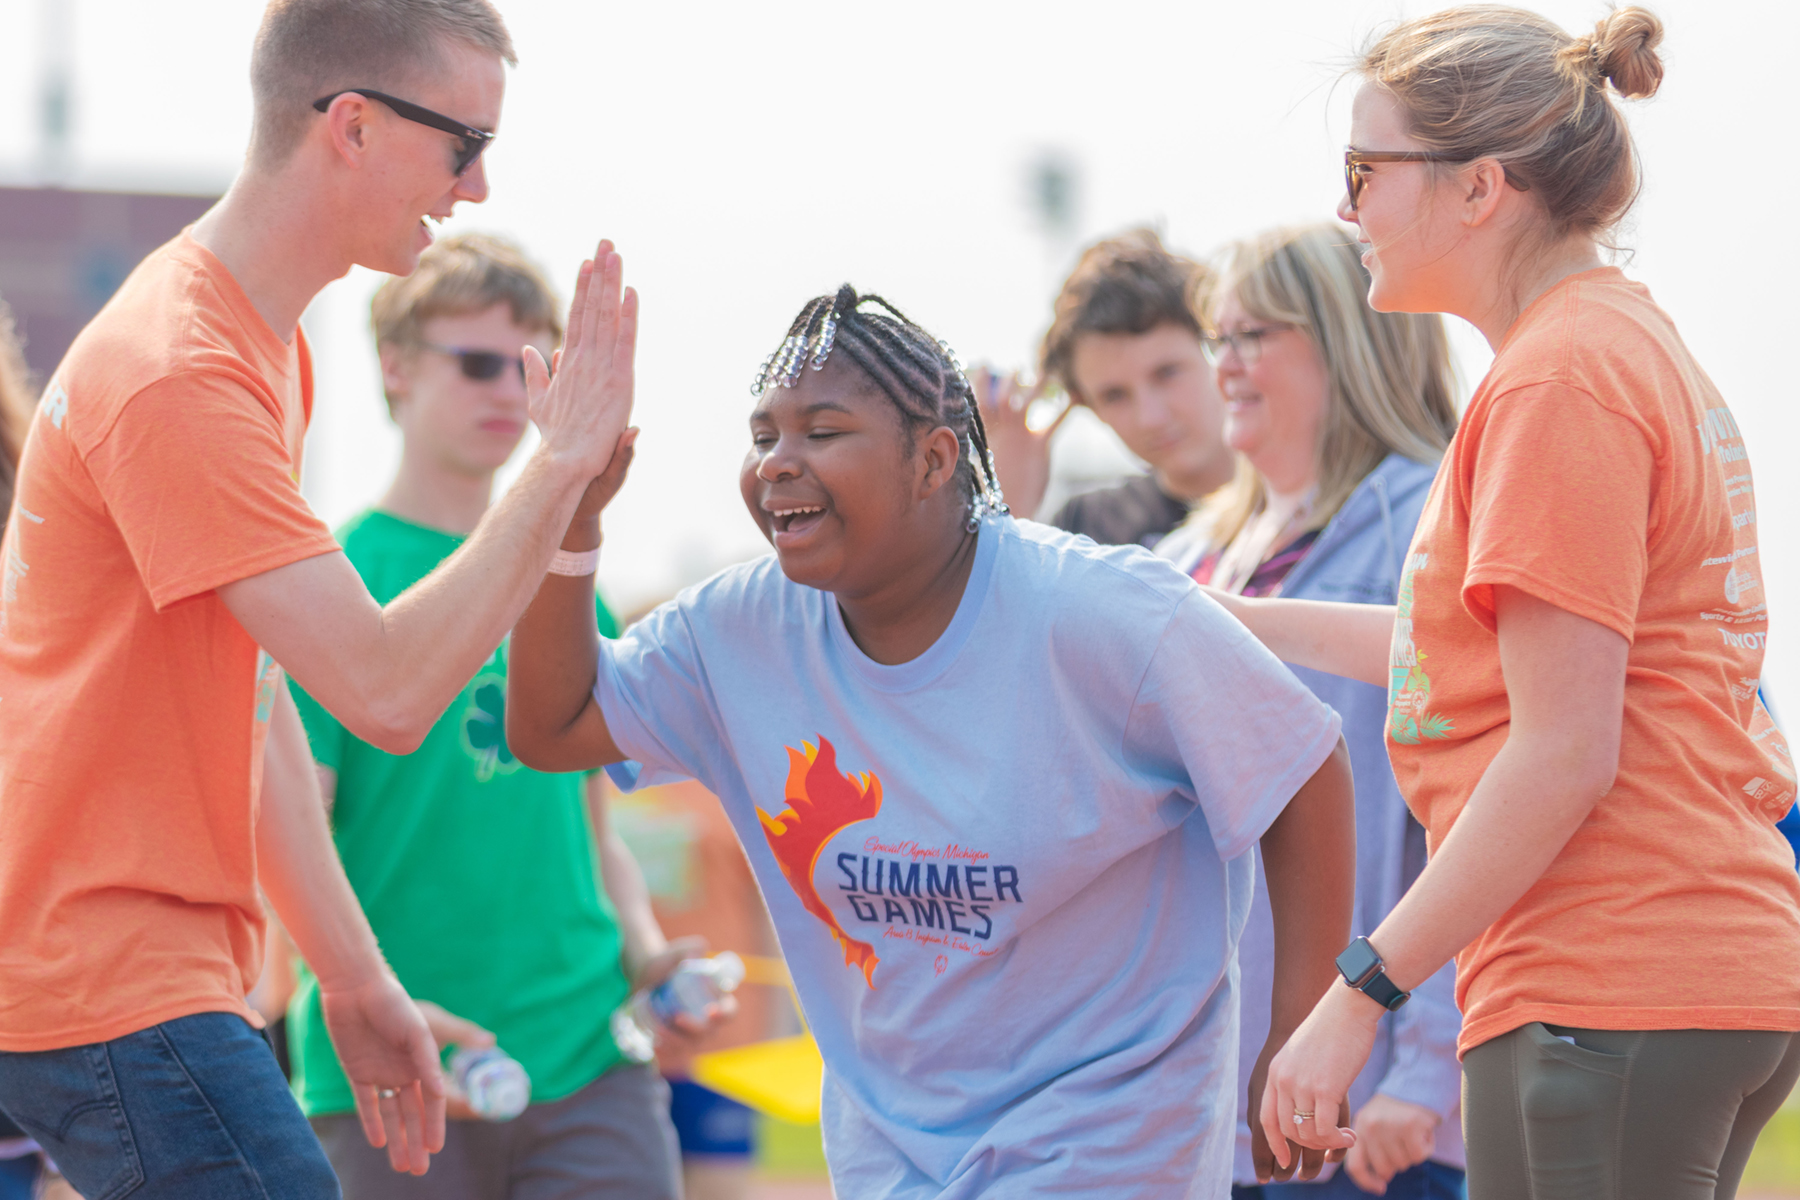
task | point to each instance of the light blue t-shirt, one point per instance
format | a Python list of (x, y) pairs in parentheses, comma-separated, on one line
[(1008, 876)]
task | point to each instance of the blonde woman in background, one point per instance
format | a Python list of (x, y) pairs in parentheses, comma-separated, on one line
[(1341, 413), (1574, 658)]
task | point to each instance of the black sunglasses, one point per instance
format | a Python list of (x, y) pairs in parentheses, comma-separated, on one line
[(474, 141), (479, 365)]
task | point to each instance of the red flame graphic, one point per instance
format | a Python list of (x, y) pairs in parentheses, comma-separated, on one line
[(821, 802)]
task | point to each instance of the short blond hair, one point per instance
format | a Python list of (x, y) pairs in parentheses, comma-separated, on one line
[(1392, 386), (468, 273), (308, 49), (1486, 80)]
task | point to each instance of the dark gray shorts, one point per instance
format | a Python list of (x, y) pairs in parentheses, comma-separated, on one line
[(611, 1140), (1620, 1114)]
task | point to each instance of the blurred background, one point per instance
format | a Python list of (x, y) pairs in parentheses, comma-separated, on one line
[(953, 156)]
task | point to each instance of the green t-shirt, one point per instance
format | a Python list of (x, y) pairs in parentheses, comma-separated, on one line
[(477, 873)]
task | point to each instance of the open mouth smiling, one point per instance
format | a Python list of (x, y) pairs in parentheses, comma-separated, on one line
[(787, 519), (796, 520)]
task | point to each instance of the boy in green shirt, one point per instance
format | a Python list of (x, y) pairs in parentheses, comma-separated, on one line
[(478, 874)]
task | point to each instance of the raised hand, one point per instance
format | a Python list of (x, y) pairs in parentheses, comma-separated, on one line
[(584, 409), (606, 485), (392, 1064), (1021, 454)]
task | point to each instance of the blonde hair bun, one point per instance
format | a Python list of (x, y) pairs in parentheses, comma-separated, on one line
[(1623, 50), (1508, 83)]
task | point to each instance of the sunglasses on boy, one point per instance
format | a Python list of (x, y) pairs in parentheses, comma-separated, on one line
[(479, 365), (474, 141), (1355, 178)]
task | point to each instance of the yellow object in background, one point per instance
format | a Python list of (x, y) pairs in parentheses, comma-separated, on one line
[(780, 1078), (770, 972)]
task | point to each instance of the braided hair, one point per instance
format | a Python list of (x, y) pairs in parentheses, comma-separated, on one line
[(919, 374)]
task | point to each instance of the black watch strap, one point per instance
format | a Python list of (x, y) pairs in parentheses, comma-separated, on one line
[(1384, 992), (1363, 970)]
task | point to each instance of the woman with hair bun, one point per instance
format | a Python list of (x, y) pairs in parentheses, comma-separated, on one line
[(1342, 414), (1573, 661)]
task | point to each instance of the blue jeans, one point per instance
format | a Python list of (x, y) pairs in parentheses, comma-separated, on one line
[(192, 1109), (1427, 1181)]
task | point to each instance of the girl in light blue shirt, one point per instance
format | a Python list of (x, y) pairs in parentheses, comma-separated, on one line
[(999, 786)]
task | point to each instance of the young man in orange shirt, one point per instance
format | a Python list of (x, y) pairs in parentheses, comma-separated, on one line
[(161, 570)]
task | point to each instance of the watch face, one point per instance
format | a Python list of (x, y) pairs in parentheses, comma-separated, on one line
[(1358, 961)]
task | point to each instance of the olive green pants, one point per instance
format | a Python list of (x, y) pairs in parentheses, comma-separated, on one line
[(1620, 1114)]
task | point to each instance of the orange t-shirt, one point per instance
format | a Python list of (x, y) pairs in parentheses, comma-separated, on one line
[(1598, 468), (163, 461)]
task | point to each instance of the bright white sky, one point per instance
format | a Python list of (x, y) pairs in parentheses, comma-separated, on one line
[(748, 156)]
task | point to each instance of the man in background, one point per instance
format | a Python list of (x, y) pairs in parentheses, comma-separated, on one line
[(1125, 342)]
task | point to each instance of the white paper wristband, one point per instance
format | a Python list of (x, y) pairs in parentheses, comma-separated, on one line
[(568, 563)]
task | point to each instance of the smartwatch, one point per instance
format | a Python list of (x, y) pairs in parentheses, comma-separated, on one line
[(1363, 970)]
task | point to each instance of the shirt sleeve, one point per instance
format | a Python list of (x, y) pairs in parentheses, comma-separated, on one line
[(653, 691), (324, 733), (1225, 721), (197, 476), (1559, 499), (604, 618)]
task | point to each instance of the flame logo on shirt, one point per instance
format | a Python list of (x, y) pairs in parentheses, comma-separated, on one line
[(821, 802)]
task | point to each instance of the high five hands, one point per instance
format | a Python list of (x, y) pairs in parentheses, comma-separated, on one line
[(584, 409)]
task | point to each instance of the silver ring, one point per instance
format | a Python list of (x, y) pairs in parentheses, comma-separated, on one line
[(1303, 1116), (388, 1093)]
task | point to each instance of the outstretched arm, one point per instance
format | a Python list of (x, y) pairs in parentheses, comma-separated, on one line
[(388, 673), (1352, 640), (552, 720), (1565, 686), (1309, 857)]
